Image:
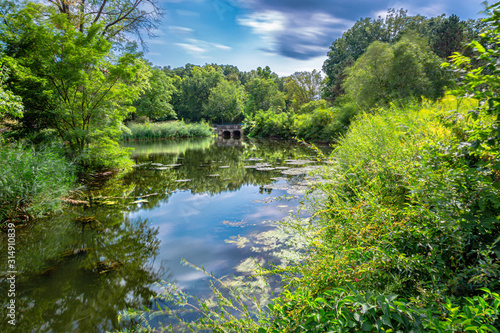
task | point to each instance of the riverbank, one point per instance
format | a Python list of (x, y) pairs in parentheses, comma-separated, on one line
[(166, 130)]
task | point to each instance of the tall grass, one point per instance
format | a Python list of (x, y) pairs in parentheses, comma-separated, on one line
[(166, 130), (32, 182)]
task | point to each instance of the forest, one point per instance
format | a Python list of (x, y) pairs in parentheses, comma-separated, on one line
[(406, 235)]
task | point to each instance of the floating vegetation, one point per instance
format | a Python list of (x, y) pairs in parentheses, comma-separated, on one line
[(238, 241), (239, 224)]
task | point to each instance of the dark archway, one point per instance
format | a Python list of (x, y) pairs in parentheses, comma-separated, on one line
[(236, 134), (226, 134)]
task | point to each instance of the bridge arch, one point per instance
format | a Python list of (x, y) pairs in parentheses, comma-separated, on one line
[(232, 130)]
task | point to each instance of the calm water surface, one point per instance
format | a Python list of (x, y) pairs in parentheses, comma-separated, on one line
[(204, 200)]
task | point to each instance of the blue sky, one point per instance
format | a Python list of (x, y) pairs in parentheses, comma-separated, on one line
[(287, 35)]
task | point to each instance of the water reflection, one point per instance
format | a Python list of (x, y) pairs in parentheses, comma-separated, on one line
[(191, 199)]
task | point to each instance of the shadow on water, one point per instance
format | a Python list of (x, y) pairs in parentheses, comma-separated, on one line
[(193, 199)]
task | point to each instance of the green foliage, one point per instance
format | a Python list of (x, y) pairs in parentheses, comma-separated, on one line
[(449, 37), (270, 124), (315, 122), (444, 35), (166, 130), (32, 182), (302, 88), (404, 70), (90, 89), (225, 103), (263, 94), (482, 84), (154, 103), (348, 310), (10, 104), (195, 92)]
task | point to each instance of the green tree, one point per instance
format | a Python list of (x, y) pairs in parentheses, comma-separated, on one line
[(90, 89), (195, 91), (154, 103), (449, 37), (302, 88), (10, 105), (404, 70), (345, 50), (226, 102), (263, 94)]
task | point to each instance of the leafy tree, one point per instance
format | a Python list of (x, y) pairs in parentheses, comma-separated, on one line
[(482, 84), (302, 88), (195, 91), (154, 103), (263, 94), (403, 70), (10, 104), (226, 102), (90, 89), (345, 50)]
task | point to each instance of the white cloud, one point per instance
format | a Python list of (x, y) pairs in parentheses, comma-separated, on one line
[(223, 47), (265, 23), (193, 49), (180, 30), (198, 47)]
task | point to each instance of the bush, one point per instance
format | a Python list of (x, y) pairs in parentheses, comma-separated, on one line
[(32, 182), (318, 124)]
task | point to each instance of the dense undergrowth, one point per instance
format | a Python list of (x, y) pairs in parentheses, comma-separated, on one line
[(166, 130), (32, 181), (317, 122)]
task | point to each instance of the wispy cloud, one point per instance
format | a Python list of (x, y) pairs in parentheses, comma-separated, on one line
[(199, 48), (191, 48), (179, 30)]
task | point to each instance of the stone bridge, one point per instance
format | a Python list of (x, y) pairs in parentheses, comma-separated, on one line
[(232, 130)]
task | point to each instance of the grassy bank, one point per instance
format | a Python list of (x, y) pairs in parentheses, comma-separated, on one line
[(32, 181), (166, 130)]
